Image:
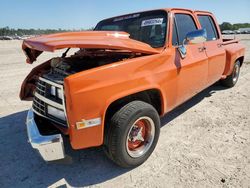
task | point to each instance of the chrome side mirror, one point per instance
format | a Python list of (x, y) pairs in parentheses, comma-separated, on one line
[(194, 37)]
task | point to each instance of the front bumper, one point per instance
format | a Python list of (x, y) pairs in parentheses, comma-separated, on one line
[(50, 147)]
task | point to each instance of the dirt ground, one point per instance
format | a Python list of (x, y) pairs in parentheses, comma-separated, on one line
[(203, 143)]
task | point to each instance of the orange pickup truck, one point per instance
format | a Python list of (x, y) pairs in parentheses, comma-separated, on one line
[(128, 72)]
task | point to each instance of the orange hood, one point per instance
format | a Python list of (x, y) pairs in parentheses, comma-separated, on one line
[(33, 47)]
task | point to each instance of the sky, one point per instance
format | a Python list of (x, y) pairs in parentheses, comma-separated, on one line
[(84, 14)]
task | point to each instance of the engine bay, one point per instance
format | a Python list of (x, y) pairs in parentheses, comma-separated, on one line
[(61, 67)]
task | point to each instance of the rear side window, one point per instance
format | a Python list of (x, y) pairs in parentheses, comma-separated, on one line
[(208, 24), (185, 24)]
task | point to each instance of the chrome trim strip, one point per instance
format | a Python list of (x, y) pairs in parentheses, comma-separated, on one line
[(40, 84), (38, 108), (50, 82), (37, 104), (50, 102), (40, 90), (36, 100)]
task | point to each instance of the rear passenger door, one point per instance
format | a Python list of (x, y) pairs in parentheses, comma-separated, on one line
[(214, 49), (192, 70)]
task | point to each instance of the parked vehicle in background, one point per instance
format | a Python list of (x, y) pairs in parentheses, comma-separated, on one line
[(5, 38), (16, 37), (245, 30), (237, 32), (10, 37), (227, 32), (128, 72)]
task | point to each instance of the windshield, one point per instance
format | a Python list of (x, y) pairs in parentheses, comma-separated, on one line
[(148, 27)]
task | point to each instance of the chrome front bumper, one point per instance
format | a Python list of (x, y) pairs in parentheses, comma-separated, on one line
[(50, 147)]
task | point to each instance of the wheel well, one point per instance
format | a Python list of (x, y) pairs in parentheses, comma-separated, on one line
[(241, 59), (151, 96)]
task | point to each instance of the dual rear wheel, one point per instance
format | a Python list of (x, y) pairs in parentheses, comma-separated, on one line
[(232, 79)]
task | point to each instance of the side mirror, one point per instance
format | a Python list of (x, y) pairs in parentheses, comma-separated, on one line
[(196, 37), (193, 37)]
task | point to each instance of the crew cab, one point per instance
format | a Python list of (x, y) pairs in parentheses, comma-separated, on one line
[(125, 75)]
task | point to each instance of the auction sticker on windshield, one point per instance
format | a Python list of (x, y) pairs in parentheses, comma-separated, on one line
[(155, 21)]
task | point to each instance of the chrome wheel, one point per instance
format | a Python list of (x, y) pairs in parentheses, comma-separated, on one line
[(236, 72), (140, 137), (233, 78)]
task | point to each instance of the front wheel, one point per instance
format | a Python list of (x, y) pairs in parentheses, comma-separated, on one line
[(232, 79), (132, 134)]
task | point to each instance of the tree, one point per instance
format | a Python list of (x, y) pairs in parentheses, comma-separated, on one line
[(229, 26), (226, 26)]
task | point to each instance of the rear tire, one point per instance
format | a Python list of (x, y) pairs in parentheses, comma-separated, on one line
[(132, 134), (232, 79)]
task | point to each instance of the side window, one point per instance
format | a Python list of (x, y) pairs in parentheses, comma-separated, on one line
[(208, 24), (185, 24), (175, 37)]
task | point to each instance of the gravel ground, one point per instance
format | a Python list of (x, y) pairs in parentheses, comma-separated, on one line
[(203, 143)]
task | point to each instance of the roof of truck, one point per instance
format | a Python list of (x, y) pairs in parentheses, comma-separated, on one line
[(190, 10), (162, 9)]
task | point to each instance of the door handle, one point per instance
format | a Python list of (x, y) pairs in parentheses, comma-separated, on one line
[(219, 45), (201, 49)]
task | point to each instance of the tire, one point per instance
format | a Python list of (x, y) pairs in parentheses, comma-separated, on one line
[(132, 134), (232, 79)]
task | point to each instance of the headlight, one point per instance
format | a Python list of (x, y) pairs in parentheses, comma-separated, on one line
[(53, 90), (56, 113), (59, 94), (56, 92)]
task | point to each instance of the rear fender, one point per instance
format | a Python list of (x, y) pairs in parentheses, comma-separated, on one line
[(233, 53)]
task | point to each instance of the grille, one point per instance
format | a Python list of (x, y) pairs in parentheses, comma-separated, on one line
[(43, 98), (41, 87), (39, 106)]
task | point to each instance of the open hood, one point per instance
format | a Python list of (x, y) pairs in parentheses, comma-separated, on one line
[(33, 47)]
